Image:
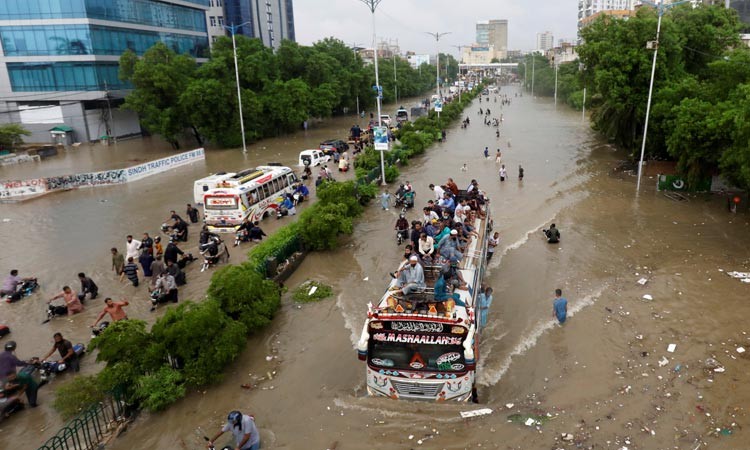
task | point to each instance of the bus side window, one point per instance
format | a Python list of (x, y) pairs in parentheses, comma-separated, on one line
[(254, 196), (284, 182), (292, 178), (276, 187), (266, 192)]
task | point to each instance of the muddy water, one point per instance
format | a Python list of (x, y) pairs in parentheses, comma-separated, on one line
[(597, 377)]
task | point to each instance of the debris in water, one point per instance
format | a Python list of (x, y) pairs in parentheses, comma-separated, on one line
[(740, 349), (246, 386), (411, 436), (648, 297), (312, 290), (642, 281), (671, 348), (477, 412), (719, 370), (366, 279), (529, 422), (269, 358), (6, 220), (663, 361), (567, 437), (509, 405)]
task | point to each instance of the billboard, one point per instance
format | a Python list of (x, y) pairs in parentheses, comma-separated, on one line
[(380, 137)]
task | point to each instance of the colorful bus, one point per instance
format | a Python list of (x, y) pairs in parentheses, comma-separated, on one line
[(416, 348), (250, 194)]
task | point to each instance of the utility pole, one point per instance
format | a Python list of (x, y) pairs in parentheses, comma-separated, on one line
[(354, 46), (372, 5), (233, 29), (661, 8), (437, 36), (554, 61), (533, 63), (395, 81)]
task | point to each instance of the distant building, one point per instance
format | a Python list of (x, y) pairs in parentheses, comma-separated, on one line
[(563, 53), (493, 33), (742, 7), (477, 54), (59, 64), (545, 41), (215, 20), (587, 8), (271, 21), (417, 60), (614, 13)]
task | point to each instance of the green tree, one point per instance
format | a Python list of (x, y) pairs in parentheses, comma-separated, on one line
[(245, 295), (159, 78), (10, 135)]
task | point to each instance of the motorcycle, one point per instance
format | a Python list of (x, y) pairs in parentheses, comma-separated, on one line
[(401, 236), (241, 236), (96, 331), (212, 252), (213, 447), (26, 289), (56, 311), (49, 369)]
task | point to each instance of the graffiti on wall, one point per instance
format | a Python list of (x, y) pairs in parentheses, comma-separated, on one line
[(20, 188), (79, 180), (37, 186)]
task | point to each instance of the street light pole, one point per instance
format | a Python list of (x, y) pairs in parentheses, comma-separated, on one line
[(533, 74), (395, 81), (460, 58), (233, 29), (437, 35), (556, 67), (372, 5), (661, 8)]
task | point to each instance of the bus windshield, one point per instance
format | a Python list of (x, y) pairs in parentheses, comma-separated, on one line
[(221, 203), (428, 357)]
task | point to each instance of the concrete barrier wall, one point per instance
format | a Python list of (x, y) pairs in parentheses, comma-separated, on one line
[(23, 189)]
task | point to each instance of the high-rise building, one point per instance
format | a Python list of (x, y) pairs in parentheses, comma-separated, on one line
[(545, 41), (215, 20), (493, 33), (587, 8), (59, 61), (271, 21)]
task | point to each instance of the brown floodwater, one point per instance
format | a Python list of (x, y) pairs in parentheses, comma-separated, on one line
[(598, 377)]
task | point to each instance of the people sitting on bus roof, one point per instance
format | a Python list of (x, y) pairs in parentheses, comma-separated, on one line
[(468, 229), (443, 292), (450, 246), (452, 186), (442, 231), (429, 214), (461, 210), (447, 204), (450, 271), (411, 277), (426, 248)]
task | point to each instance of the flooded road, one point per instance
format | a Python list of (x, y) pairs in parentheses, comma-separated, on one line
[(601, 377)]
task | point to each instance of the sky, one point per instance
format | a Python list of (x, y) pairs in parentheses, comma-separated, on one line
[(408, 20)]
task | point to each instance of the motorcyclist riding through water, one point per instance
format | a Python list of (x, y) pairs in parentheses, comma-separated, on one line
[(402, 229)]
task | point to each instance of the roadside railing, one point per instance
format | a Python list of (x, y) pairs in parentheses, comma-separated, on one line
[(87, 430)]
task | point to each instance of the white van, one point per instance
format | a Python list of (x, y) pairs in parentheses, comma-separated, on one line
[(312, 158), (200, 187)]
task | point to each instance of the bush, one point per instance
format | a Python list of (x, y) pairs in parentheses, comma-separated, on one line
[(200, 337), (391, 174), (245, 295), (160, 389), (344, 193), (366, 192), (321, 225), (77, 394), (301, 293), (272, 245)]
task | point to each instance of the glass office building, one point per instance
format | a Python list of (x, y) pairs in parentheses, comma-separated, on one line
[(271, 21), (63, 55)]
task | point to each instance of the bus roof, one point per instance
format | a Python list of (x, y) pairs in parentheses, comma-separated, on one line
[(251, 178), (471, 268)]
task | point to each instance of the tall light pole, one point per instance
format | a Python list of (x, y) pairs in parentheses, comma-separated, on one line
[(533, 64), (372, 5), (354, 50), (460, 58), (233, 29), (437, 36), (395, 81), (554, 60), (661, 8)]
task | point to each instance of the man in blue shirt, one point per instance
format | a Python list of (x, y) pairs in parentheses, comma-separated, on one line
[(560, 307)]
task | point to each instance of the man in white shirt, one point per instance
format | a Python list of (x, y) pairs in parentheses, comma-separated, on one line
[(132, 248), (428, 215), (243, 429), (439, 192)]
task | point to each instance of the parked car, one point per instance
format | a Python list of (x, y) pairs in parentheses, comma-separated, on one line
[(333, 144), (385, 119), (312, 158)]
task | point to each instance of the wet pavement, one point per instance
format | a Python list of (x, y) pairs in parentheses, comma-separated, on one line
[(601, 378)]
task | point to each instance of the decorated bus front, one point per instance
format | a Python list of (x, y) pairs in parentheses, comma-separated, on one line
[(420, 360), (223, 210)]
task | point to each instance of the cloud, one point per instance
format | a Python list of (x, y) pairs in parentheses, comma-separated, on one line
[(408, 20)]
